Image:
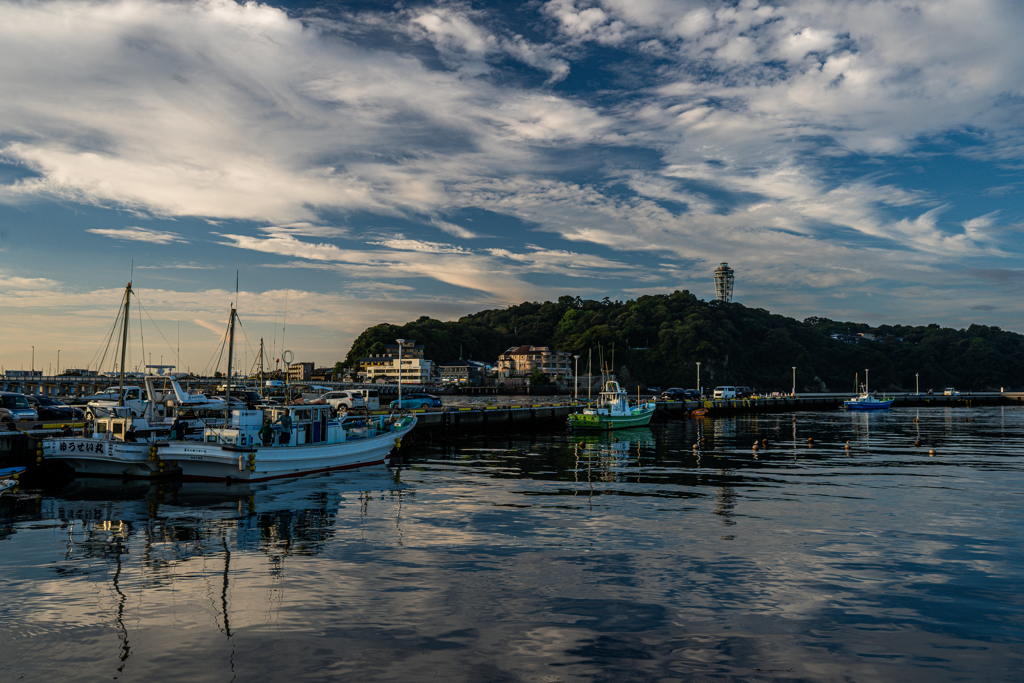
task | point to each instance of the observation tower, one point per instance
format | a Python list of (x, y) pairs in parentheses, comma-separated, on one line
[(724, 279)]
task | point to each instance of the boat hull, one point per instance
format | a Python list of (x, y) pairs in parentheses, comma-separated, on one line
[(201, 461), (864, 406), (595, 422), (106, 458)]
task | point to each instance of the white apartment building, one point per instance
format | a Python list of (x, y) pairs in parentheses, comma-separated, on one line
[(414, 371)]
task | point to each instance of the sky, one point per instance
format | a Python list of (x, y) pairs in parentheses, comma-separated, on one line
[(354, 163)]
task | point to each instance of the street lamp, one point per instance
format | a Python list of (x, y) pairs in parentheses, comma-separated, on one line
[(576, 381), (866, 390), (400, 342), (58, 361), (917, 385), (794, 380), (698, 380)]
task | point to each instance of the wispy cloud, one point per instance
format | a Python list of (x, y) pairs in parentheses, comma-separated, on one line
[(136, 234)]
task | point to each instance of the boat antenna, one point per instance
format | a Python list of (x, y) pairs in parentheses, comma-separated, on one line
[(124, 341), (231, 350)]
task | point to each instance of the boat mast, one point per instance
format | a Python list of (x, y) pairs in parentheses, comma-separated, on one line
[(262, 382), (124, 344), (231, 352)]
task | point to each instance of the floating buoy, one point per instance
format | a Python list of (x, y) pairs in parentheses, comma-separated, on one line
[(847, 445), (810, 439), (931, 453), (917, 444), (694, 446), (915, 420), (754, 446)]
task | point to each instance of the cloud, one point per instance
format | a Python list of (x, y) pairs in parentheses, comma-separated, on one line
[(136, 234)]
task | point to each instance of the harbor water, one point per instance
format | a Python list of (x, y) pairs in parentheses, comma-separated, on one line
[(837, 551)]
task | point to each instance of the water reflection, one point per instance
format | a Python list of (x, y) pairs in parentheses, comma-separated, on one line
[(668, 552)]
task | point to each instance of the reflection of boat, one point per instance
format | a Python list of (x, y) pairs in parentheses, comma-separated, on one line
[(9, 478), (622, 442), (612, 411)]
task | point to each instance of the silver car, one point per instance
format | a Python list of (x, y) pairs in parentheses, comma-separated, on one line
[(16, 408)]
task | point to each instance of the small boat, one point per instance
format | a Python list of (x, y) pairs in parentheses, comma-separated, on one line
[(9, 478), (698, 412), (613, 411), (866, 401)]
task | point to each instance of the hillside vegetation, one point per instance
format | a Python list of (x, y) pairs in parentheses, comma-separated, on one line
[(658, 340)]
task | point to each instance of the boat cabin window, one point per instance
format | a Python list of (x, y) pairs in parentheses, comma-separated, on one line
[(101, 427), (118, 428), (302, 415)]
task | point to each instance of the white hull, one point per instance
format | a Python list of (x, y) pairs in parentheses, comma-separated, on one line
[(201, 461), (104, 457)]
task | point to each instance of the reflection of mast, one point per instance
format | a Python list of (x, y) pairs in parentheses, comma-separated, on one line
[(126, 650)]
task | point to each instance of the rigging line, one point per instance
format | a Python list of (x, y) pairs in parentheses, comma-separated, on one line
[(238, 320), (139, 301), (106, 347)]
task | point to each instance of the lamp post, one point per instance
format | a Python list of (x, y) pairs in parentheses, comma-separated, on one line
[(33, 369), (576, 381), (400, 342), (58, 361), (698, 380), (917, 385), (866, 390), (794, 380)]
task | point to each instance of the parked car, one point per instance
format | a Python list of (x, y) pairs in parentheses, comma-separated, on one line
[(16, 408), (370, 397), (725, 392), (345, 400), (744, 392), (417, 401), (677, 394), (50, 408), (950, 391)]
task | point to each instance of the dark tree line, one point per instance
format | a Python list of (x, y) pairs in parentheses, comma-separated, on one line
[(658, 340)]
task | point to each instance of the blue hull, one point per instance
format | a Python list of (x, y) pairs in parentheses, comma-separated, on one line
[(867, 405)]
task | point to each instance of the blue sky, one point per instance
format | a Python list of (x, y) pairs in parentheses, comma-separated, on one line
[(368, 162)]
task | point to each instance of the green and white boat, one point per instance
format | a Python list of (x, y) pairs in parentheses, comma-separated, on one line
[(612, 411)]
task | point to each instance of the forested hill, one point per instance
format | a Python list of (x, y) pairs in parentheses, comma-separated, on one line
[(658, 340)]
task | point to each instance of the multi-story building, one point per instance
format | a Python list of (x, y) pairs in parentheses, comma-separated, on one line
[(414, 371), (410, 349), (463, 373), (300, 372), (522, 361)]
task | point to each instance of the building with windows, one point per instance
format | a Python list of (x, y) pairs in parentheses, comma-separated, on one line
[(414, 371), (523, 361), (410, 349), (463, 373), (300, 372)]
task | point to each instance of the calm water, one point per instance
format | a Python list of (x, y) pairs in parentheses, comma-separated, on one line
[(549, 558)]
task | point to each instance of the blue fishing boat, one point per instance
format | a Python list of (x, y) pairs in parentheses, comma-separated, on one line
[(867, 402)]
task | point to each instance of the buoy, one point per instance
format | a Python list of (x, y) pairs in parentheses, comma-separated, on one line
[(915, 420), (917, 444), (931, 453), (755, 446), (847, 445), (810, 439), (694, 446)]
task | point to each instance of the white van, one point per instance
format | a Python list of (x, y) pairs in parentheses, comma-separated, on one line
[(725, 392), (371, 399)]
